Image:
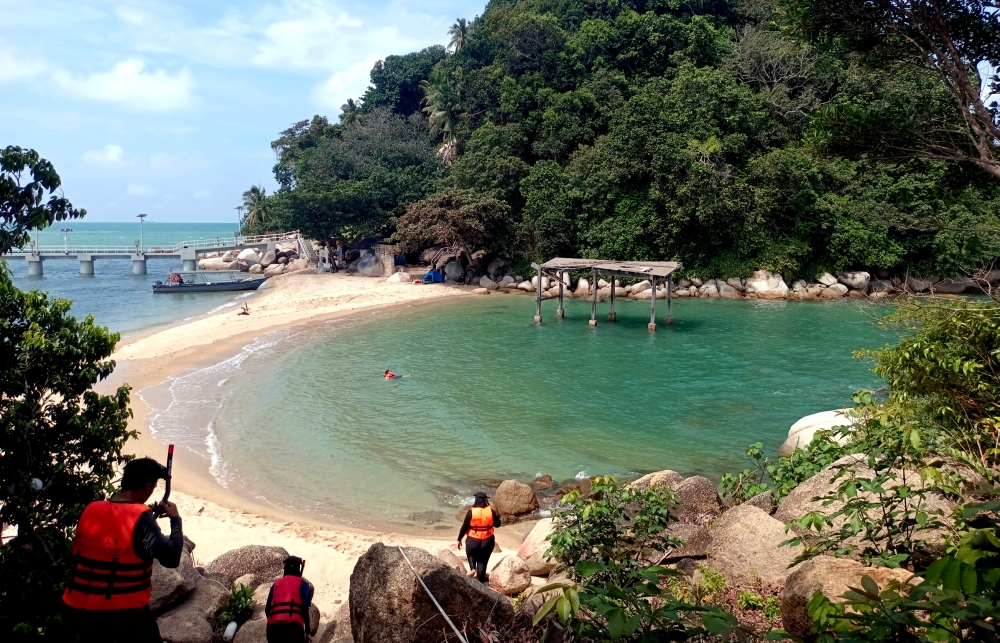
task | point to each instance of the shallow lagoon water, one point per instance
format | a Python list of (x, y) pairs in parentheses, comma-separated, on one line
[(304, 420)]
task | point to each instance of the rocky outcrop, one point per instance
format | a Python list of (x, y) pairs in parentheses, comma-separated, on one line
[(298, 264), (665, 478), (764, 501), (826, 279), (274, 269), (256, 269), (697, 541), (170, 586), (487, 283), (697, 501), (192, 621), (265, 563), (766, 285), (802, 432), (513, 498), (510, 576), (745, 547), (801, 499), (533, 549), (854, 280), (453, 271), (388, 604), (831, 576)]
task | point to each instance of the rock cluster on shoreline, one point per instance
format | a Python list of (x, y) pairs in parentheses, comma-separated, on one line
[(273, 262), (762, 284)]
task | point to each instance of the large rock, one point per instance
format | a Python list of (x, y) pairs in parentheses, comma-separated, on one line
[(266, 563), (826, 279), (728, 292), (388, 604), (737, 284), (831, 576), (764, 501), (836, 291), (801, 500), (218, 263), (399, 278), (192, 621), (766, 285), (253, 631), (533, 549), (338, 629), (453, 271), (299, 264), (582, 288), (250, 255), (274, 269), (229, 255), (513, 498), (526, 286), (745, 547), (487, 283), (499, 266), (854, 280), (256, 269), (510, 576), (709, 289), (665, 478), (954, 285), (448, 557), (171, 586), (697, 542), (916, 284), (803, 431), (698, 501), (268, 258)]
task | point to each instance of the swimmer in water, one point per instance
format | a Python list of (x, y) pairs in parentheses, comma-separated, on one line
[(388, 375)]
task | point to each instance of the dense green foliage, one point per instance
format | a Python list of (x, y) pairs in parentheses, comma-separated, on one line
[(698, 131), (23, 207), (609, 543), (59, 445)]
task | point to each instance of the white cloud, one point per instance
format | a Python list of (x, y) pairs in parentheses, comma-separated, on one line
[(313, 39), (110, 154), (13, 67), (140, 190), (344, 84), (202, 194), (127, 83)]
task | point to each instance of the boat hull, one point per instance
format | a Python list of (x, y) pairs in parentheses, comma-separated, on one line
[(247, 284)]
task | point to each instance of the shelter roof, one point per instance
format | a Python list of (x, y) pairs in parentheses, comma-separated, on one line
[(638, 269)]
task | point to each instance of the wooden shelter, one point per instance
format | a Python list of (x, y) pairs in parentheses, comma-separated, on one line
[(655, 271)]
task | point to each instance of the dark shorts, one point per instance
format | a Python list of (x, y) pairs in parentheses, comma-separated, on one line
[(285, 633), (114, 626)]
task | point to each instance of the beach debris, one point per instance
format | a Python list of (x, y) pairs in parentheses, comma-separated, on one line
[(245, 310)]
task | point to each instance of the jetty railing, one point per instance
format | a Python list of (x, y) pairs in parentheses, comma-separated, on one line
[(172, 249)]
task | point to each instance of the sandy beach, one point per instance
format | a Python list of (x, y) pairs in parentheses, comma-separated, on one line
[(217, 520)]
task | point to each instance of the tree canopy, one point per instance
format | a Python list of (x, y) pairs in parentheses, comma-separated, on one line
[(730, 135), (23, 206)]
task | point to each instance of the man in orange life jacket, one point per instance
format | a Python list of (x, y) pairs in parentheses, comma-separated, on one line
[(116, 541), (479, 524), (287, 606)]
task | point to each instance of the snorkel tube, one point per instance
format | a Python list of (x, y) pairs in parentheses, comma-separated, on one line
[(159, 509)]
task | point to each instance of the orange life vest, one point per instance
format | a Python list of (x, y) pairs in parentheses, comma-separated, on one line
[(286, 601), (481, 526), (106, 573)]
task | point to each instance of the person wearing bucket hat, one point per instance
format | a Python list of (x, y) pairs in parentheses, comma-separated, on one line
[(477, 529)]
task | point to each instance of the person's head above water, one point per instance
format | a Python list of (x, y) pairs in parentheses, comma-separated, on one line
[(482, 500), (388, 373)]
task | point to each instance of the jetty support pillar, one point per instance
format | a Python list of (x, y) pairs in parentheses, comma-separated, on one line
[(538, 297), (593, 301), (138, 264), (670, 288), (560, 313), (612, 315), (86, 264), (190, 258), (34, 265), (652, 307)]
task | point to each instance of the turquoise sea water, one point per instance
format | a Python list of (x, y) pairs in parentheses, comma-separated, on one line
[(118, 299), (303, 418)]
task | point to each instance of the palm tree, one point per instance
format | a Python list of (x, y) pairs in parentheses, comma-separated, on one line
[(255, 202), (459, 33), (441, 104), (349, 112)]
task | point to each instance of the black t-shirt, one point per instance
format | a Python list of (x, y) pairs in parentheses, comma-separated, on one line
[(149, 543)]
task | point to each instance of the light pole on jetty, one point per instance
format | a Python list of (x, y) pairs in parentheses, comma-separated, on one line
[(239, 210), (66, 232), (142, 218)]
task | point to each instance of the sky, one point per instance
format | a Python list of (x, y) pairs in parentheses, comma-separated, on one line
[(169, 107)]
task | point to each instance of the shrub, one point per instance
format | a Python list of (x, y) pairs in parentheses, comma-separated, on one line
[(239, 605)]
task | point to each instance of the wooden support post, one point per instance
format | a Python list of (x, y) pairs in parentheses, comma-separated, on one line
[(670, 287), (560, 313), (593, 301), (652, 307), (538, 298), (612, 315)]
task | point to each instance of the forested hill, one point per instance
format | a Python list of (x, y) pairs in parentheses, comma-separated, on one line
[(704, 131)]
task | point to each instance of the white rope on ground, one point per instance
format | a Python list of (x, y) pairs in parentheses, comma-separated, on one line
[(434, 600)]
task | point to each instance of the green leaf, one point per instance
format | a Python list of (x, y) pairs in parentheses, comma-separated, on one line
[(616, 623), (545, 609), (563, 608), (588, 568)]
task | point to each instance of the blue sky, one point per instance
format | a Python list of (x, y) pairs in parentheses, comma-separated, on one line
[(169, 108)]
